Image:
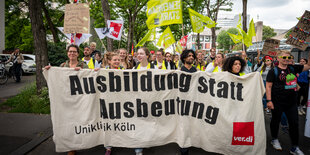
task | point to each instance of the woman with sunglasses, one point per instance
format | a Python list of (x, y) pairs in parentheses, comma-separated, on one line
[(281, 86), (266, 66)]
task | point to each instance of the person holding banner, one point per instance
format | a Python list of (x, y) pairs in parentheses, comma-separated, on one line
[(234, 65), (73, 62), (281, 87), (143, 58), (187, 58), (200, 63), (217, 65)]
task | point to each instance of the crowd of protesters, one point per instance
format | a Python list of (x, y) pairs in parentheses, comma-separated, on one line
[(286, 83)]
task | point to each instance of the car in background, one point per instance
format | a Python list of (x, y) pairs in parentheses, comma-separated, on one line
[(28, 66)]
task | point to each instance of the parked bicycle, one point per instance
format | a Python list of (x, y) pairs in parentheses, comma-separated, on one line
[(4, 74)]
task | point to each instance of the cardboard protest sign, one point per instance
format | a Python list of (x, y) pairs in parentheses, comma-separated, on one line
[(217, 112), (76, 18), (300, 36), (270, 46)]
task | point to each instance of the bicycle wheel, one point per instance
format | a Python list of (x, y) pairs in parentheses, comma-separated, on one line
[(3, 78)]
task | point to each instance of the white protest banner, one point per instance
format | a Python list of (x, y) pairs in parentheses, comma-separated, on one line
[(76, 18), (270, 46), (217, 112), (114, 30), (300, 36)]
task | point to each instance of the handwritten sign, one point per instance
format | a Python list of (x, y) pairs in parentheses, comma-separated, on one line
[(300, 36), (76, 18), (270, 46)]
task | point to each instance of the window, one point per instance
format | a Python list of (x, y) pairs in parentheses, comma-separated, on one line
[(207, 38)]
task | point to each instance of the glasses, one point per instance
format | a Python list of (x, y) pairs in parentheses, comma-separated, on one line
[(267, 60), (286, 57)]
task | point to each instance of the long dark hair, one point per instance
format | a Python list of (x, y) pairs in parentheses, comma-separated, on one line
[(264, 65)]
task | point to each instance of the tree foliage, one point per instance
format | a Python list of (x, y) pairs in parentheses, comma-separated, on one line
[(223, 39), (268, 32)]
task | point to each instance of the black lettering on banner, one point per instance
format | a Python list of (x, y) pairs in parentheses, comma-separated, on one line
[(197, 106), (239, 91), (156, 109), (211, 115), (169, 110), (91, 88), (102, 87), (185, 106), (211, 84), (141, 109), (128, 107), (178, 104), (146, 81), (159, 83), (115, 82), (103, 110), (204, 87), (232, 90), (185, 82), (134, 81), (223, 92), (126, 81), (172, 80), (115, 114), (75, 85)]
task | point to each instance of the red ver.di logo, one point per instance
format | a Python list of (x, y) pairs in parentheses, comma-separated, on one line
[(116, 28), (243, 133)]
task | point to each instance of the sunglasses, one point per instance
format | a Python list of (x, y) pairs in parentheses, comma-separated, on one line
[(267, 60), (286, 57)]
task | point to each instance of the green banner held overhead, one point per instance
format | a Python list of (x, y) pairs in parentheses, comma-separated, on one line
[(166, 39), (164, 12)]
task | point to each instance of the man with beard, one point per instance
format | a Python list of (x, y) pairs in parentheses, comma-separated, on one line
[(187, 58), (92, 63)]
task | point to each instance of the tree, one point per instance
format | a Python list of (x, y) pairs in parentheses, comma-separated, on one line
[(40, 43), (268, 32), (224, 40), (107, 16), (212, 12)]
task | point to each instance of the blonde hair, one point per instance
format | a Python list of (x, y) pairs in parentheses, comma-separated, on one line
[(93, 43)]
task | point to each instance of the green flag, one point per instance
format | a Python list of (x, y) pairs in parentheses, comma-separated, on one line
[(166, 39)]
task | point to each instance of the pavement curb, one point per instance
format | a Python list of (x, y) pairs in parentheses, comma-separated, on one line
[(41, 137)]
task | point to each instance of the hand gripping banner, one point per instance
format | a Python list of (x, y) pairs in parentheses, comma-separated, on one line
[(217, 112)]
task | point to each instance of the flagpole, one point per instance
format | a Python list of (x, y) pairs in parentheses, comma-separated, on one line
[(119, 44), (182, 30), (103, 45), (74, 38)]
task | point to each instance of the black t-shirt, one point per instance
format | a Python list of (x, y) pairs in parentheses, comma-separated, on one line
[(192, 70), (284, 86)]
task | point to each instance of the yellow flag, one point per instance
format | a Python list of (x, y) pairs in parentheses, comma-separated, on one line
[(166, 39), (239, 25), (178, 47), (246, 39), (251, 32), (150, 36), (198, 21), (164, 12), (235, 38)]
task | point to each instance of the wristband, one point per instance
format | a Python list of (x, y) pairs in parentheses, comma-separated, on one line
[(268, 101)]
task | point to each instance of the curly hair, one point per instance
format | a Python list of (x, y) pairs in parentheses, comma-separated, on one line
[(229, 62), (185, 53)]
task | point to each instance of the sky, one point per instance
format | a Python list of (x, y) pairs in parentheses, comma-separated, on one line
[(278, 14)]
